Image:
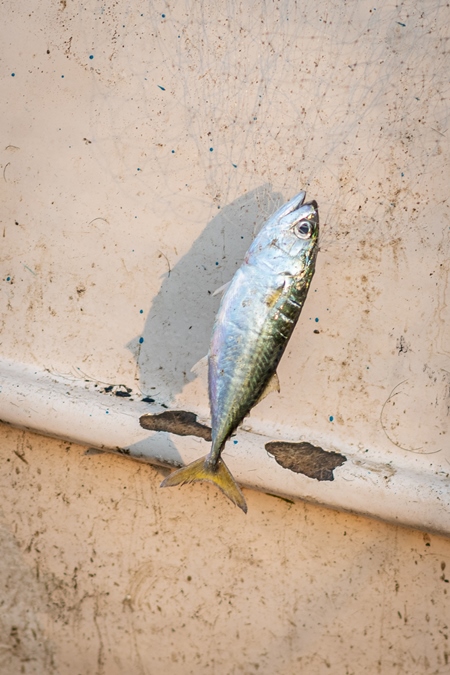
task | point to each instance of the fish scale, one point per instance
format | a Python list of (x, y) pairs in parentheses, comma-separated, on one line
[(256, 318)]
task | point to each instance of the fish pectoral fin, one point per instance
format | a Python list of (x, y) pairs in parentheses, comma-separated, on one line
[(201, 471), (222, 289), (272, 385), (274, 295)]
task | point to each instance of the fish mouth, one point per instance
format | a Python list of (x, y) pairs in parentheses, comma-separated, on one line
[(301, 202), (312, 203), (301, 198)]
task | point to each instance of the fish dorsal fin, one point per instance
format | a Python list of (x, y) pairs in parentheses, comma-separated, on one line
[(272, 385), (201, 367), (222, 289)]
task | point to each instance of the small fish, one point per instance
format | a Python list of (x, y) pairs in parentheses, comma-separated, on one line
[(255, 320)]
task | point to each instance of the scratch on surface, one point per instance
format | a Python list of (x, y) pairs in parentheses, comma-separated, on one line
[(4, 171), (101, 648), (20, 456), (99, 218), (383, 426), (161, 254)]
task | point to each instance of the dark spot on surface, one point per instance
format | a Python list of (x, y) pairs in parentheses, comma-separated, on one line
[(148, 399), (122, 393), (306, 458), (123, 451), (402, 345), (176, 422)]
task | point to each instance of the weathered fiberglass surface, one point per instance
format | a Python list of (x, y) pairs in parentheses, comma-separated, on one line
[(144, 145)]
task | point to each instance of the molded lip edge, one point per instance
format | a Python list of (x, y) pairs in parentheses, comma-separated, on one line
[(51, 405)]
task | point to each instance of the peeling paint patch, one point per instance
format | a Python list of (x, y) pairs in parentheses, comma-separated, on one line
[(176, 422), (306, 458)]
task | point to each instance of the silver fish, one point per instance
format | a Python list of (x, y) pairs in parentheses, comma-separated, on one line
[(255, 320)]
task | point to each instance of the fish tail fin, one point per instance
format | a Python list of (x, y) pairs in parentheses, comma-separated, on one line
[(219, 475)]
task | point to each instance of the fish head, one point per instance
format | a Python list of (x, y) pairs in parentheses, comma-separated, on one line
[(290, 236), (298, 231)]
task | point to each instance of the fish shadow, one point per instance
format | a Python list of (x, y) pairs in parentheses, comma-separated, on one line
[(179, 323)]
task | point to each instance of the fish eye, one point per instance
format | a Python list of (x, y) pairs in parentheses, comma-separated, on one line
[(303, 229)]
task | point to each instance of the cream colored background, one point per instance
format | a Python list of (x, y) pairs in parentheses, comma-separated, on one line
[(111, 231), (104, 573)]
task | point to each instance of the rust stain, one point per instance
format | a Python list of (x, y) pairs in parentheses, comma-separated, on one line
[(176, 422), (306, 458)]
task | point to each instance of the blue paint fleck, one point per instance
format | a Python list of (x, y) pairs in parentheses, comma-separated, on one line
[(141, 340), (235, 166), (316, 319), (402, 174), (235, 442), (62, 76), (217, 263), (163, 16), (211, 149), (91, 56), (8, 278), (401, 24), (138, 169), (331, 418), (13, 74), (173, 152), (162, 88), (141, 311), (107, 412)]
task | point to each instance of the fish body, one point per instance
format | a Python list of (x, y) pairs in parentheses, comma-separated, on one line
[(255, 320)]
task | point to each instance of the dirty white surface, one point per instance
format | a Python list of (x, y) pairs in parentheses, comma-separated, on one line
[(142, 146), (407, 492), (103, 573)]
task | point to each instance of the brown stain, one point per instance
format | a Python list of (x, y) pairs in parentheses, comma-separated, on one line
[(306, 458), (177, 422)]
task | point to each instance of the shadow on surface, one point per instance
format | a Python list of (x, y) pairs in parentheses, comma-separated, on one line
[(178, 327)]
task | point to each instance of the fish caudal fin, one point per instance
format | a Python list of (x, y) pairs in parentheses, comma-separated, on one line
[(220, 476)]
